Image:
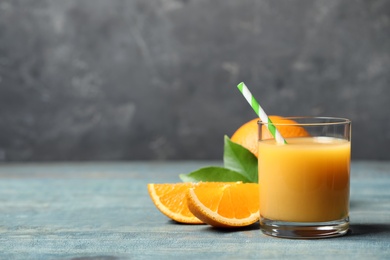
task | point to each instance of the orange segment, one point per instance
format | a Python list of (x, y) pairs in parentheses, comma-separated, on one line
[(247, 134), (170, 199), (231, 204)]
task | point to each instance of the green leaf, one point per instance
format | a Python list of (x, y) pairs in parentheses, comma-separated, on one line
[(239, 165), (240, 159), (213, 173)]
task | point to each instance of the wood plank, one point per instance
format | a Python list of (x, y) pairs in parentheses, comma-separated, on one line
[(64, 211)]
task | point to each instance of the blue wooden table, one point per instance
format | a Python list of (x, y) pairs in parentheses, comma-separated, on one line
[(103, 211)]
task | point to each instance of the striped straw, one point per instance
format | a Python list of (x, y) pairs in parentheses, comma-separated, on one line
[(260, 112)]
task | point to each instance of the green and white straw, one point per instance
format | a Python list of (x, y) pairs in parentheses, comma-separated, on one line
[(260, 112)]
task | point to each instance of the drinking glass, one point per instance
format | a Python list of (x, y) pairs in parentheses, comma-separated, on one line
[(304, 184)]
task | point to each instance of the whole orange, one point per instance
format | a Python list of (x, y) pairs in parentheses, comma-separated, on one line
[(247, 134)]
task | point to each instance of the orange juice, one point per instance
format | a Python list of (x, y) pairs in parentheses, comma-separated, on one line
[(305, 180)]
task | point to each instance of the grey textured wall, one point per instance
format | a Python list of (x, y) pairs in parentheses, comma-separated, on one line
[(139, 79)]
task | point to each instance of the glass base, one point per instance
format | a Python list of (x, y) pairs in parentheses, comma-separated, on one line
[(304, 230)]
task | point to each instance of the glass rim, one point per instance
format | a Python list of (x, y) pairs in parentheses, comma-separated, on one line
[(305, 121)]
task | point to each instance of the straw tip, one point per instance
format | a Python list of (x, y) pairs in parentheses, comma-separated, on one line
[(240, 85)]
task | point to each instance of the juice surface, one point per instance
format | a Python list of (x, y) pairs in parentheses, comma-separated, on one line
[(306, 180)]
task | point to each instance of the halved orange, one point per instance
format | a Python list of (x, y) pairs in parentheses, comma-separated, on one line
[(232, 204)]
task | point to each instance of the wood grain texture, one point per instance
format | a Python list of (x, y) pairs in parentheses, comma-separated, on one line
[(103, 211)]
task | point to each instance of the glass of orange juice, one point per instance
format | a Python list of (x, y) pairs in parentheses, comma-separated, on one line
[(304, 184)]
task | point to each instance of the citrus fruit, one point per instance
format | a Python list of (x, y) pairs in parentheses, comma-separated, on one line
[(247, 134), (231, 204), (170, 199)]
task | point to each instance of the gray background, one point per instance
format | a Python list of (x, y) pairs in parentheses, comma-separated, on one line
[(142, 80)]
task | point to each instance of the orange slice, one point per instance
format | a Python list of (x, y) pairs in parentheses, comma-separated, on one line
[(170, 199), (232, 204)]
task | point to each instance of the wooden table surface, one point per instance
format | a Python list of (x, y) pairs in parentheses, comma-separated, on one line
[(103, 211)]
